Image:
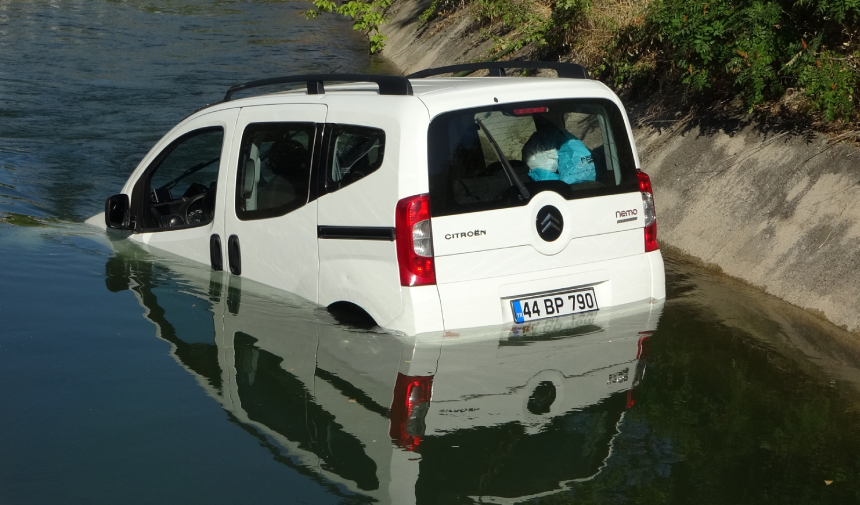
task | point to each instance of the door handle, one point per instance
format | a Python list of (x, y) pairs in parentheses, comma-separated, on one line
[(215, 258), (234, 254)]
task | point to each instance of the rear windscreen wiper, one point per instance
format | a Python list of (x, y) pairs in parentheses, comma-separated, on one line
[(509, 170)]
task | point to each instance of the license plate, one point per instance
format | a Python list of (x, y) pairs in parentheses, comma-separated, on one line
[(559, 304)]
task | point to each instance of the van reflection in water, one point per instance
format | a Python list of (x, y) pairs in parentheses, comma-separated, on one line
[(494, 415)]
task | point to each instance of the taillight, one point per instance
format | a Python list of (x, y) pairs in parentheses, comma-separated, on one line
[(650, 211), (408, 410), (531, 110), (414, 241), (631, 399), (639, 374), (640, 345)]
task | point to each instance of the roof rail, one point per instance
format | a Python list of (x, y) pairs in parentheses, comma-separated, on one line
[(388, 84), (497, 68)]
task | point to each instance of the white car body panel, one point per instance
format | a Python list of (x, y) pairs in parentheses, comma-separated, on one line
[(513, 227), (421, 311), (658, 276), (366, 272), (488, 300)]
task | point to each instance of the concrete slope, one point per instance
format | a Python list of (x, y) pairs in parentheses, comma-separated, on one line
[(444, 41), (777, 210)]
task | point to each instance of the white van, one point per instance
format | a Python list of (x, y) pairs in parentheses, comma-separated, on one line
[(430, 203)]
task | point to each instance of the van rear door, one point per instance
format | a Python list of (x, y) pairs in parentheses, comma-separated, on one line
[(494, 242)]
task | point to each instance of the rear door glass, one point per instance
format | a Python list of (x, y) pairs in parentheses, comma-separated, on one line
[(274, 169), (354, 153), (577, 148)]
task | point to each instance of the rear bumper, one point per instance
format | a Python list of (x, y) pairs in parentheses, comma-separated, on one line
[(421, 311), (486, 302)]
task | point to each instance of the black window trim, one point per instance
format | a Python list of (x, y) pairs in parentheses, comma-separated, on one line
[(140, 192)]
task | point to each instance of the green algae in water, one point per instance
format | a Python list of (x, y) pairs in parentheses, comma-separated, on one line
[(25, 221)]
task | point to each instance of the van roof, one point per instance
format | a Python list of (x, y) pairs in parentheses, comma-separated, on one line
[(453, 93), (439, 94)]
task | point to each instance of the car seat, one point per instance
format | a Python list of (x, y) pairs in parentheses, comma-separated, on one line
[(288, 162)]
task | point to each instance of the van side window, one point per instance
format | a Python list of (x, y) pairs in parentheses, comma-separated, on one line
[(274, 170), (180, 184), (354, 153)]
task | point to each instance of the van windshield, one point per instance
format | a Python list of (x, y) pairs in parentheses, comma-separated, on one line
[(577, 148)]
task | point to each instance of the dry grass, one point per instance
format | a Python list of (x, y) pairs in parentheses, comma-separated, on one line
[(589, 40), (586, 41)]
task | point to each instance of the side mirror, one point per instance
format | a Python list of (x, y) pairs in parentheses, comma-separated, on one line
[(117, 214)]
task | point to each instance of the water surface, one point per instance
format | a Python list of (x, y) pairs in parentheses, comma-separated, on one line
[(128, 378)]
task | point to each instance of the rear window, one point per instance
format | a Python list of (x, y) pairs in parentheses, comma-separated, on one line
[(577, 148)]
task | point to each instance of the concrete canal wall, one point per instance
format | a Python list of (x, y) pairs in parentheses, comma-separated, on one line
[(775, 208)]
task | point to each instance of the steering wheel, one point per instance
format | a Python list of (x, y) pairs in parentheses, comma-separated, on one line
[(187, 203)]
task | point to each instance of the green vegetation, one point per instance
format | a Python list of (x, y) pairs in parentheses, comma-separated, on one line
[(752, 51), (367, 16), (25, 221)]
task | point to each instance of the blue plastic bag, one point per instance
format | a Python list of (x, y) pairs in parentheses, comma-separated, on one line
[(554, 155), (575, 164), (540, 174)]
